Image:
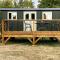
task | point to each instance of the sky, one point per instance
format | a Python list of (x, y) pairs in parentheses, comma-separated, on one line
[(35, 2)]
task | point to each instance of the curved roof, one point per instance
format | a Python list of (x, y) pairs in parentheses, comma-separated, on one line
[(28, 9)]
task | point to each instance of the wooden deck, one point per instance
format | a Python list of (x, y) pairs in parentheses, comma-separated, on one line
[(30, 35), (18, 34)]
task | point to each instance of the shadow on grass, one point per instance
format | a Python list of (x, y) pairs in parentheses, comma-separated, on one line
[(50, 42), (21, 41), (18, 41)]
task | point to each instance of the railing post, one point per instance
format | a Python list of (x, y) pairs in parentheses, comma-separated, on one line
[(2, 31), (33, 33), (8, 25)]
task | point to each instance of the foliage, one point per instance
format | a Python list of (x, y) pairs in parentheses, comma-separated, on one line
[(6, 4), (21, 4), (49, 4), (24, 4)]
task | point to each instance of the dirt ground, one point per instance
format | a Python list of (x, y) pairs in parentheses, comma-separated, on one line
[(19, 51)]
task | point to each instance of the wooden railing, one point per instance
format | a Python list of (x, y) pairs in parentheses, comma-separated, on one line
[(41, 25), (44, 28), (0, 27)]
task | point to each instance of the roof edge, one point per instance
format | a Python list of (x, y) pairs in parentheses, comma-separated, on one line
[(29, 8)]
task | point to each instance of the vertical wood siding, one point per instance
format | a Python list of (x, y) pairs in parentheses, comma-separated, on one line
[(55, 15)]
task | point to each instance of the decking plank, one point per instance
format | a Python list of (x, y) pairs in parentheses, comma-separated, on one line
[(30, 34), (17, 33)]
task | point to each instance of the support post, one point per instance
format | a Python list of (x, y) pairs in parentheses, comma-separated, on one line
[(58, 38), (29, 39), (7, 40), (37, 39), (3, 32), (33, 41), (3, 43)]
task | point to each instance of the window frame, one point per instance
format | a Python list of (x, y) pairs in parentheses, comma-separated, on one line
[(46, 17), (11, 16)]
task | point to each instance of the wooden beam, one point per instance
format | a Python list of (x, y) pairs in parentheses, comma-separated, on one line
[(37, 40), (29, 39), (33, 41), (18, 36), (7, 40), (0, 38), (3, 43), (58, 38)]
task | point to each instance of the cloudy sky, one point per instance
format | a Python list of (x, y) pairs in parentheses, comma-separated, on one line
[(35, 2)]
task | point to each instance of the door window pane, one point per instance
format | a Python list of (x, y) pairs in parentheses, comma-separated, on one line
[(27, 16), (14, 15), (10, 15), (33, 16)]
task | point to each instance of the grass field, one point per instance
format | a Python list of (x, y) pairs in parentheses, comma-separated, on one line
[(23, 50)]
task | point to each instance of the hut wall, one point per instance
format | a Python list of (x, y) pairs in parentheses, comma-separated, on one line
[(56, 14), (18, 25), (39, 15), (50, 25), (40, 27)]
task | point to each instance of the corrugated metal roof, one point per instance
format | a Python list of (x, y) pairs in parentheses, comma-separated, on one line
[(29, 9)]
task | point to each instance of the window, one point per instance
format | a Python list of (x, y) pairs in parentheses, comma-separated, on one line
[(12, 15), (44, 16), (27, 16), (47, 15), (33, 16), (9, 15)]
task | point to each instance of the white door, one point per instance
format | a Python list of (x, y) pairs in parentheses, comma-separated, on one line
[(28, 25)]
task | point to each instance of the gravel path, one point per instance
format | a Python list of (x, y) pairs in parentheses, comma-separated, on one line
[(27, 52)]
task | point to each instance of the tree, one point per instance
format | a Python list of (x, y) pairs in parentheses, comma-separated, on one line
[(21, 4), (6, 4), (1, 4), (15, 4), (24, 4), (28, 4), (49, 3)]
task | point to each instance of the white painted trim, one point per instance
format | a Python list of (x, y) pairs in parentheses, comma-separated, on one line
[(8, 15), (29, 12)]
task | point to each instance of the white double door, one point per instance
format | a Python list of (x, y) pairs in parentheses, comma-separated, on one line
[(28, 23)]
